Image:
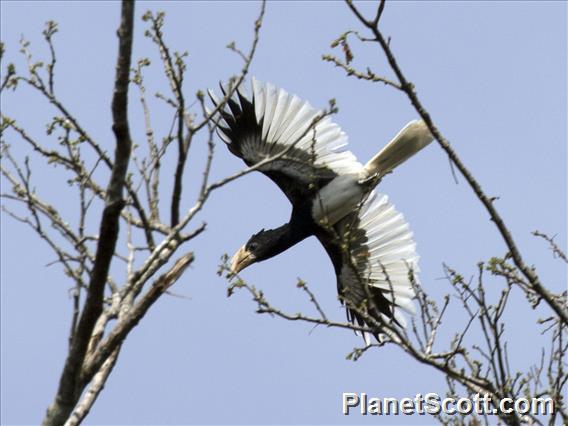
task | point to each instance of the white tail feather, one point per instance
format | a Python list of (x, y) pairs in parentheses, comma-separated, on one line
[(411, 139)]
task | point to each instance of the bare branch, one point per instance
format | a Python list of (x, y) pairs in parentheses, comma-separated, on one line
[(301, 284), (84, 406), (70, 387), (236, 83), (368, 75), (553, 246), (131, 319), (487, 201), (48, 32)]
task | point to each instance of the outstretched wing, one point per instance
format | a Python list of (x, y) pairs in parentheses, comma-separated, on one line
[(373, 251), (271, 121)]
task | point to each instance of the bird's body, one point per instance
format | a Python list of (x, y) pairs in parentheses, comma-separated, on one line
[(368, 242)]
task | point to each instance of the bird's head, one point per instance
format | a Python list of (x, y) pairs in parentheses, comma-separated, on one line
[(259, 247)]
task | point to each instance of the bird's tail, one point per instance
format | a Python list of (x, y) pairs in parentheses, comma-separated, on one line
[(411, 139)]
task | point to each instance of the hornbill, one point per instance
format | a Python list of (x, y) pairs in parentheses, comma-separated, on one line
[(302, 150)]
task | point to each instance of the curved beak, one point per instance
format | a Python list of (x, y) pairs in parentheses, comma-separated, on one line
[(241, 260)]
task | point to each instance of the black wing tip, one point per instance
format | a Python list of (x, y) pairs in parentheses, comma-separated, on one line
[(237, 118), (222, 87), (213, 98), (382, 307)]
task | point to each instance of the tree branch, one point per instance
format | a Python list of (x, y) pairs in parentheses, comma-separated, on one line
[(126, 324), (70, 387), (408, 88), (97, 384)]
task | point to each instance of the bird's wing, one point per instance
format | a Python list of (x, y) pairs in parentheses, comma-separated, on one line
[(373, 248), (271, 121)]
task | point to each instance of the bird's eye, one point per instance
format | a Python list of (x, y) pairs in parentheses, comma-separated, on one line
[(252, 246)]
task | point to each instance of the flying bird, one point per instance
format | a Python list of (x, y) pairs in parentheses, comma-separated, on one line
[(332, 196)]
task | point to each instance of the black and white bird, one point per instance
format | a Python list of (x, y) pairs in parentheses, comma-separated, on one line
[(369, 242)]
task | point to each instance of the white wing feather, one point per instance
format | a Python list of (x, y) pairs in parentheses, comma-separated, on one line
[(391, 254), (391, 250), (285, 120)]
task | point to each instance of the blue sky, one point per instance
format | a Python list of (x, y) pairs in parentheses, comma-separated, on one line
[(493, 76)]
